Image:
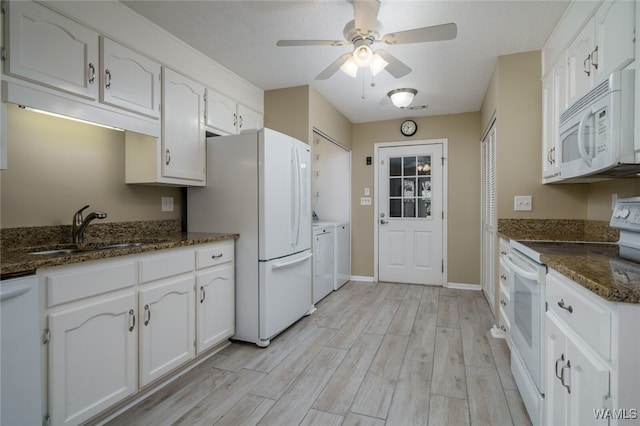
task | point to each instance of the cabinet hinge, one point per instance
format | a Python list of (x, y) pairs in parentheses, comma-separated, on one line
[(3, 53), (443, 266), (443, 214), (46, 336), (46, 420), (442, 158), (3, 6), (606, 401)]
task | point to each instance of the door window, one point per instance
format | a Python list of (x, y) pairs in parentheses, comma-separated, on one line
[(410, 186)]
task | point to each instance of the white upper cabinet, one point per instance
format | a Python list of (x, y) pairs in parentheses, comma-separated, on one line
[(51, 49), (225, 116), (129, 80), (580, 75), (183, 135)]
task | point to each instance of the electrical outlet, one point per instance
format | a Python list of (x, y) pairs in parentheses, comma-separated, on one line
[(167, 204), (522, 203)]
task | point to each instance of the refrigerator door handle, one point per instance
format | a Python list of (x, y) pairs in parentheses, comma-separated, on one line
[(293, 224), (298, 193), (291, 262)]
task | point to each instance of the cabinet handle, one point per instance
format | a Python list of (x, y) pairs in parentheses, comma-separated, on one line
[(565, 307), (553, 155), (561, 359), (167, 156), (594, 58), (235, 119), (107, 79), (502, 252), (503, 276), (217, 256), (240, 121), (568, 365), (585, 65), (132, 315), (203, 294), (503, 328), (147, 310), (502, 302), (92, 73)]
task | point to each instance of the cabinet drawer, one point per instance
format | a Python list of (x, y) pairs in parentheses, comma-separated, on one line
[(166, 265), (212, 255), (584, 314), (92, 279)]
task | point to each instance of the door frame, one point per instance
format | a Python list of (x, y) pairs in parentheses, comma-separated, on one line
[(376, 155)]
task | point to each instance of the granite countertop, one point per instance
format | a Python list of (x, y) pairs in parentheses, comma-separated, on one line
[(603, 273), (18, 245)]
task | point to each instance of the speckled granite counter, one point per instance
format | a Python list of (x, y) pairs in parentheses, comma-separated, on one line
[(18, 244), (604, 273)]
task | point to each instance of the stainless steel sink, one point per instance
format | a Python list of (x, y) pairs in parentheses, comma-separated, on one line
[(57, 252), (74, 250), (117, 246)]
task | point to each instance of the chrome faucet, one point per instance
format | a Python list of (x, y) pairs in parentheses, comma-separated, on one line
[(80, 224)]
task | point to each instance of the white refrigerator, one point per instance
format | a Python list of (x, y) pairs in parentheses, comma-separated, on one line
[(258, 185)]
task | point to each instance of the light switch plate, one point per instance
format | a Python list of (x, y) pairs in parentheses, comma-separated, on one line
[(167, 204), (366, 192), (365, 201), (522, 203)]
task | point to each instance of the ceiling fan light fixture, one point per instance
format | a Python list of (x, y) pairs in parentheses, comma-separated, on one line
[(402, 98), (350, 68), (362, 54), (378, 64)]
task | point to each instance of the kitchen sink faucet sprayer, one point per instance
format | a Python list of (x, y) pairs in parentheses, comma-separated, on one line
[(80, 223)]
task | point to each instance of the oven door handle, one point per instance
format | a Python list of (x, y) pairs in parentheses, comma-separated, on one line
[(530, 275)]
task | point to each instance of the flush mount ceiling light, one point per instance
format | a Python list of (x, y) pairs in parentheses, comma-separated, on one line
[(402, 98)]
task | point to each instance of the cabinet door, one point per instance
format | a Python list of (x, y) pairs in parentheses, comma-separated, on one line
[(548, 126), (556, 395), (580, 72), (589, 381), (51, 49), (615, 24), (167, 327), (248, 119), (215, 306), (221, 114), (129, 80), (183, 137), (92, 358)]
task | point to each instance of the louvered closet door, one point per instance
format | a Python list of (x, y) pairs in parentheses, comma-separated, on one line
[(489, 215)]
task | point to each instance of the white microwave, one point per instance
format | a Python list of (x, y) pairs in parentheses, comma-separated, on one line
[(597, 131)]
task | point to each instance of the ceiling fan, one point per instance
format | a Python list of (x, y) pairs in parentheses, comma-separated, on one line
[(363, 32)]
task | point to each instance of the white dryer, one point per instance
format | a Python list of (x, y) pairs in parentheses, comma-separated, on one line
[(323, 264)]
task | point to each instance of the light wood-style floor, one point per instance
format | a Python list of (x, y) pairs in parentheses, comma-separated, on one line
[(372, 354)]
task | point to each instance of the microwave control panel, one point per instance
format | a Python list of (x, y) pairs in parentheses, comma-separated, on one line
[(626, 214)]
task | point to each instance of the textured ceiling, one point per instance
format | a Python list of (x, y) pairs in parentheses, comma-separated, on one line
[(450, 76)]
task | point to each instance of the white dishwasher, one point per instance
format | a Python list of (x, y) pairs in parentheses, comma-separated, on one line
[(21, 383), (323, 261)]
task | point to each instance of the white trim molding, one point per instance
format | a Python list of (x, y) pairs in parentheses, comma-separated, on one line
[(362, 278), (464, 286)]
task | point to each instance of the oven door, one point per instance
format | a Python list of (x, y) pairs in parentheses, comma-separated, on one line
[(527, 312)]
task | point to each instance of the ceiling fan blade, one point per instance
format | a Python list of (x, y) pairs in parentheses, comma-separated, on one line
[(421, 35), (396, 67), (366, 15), (331, 69), (288, 43)]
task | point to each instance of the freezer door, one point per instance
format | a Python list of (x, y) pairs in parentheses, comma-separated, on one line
[(285, 293), (284, 196)]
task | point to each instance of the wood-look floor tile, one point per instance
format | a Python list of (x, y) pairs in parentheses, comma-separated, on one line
[(294, 404), (410, 404), (422, 339), (383, 317), (354, 419), (444, 291), (430, 298), (321, 418), (398, 291), (339, 393), (475, 345), (487, 400), (448, 366), (448, 312), (236, 356), (502, 356), (414, 292), (374, 397), (517, 408), (247, 412), (444, 410), (350, 331), (405, 315)]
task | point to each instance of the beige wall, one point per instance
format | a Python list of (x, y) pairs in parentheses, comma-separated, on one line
[(516, 88), (287, 111), (57, 166), (325, 117), (600, 195), (463, 211)]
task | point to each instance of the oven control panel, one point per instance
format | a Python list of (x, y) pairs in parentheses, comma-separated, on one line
[(626, 214)]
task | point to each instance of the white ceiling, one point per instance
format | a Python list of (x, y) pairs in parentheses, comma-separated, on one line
[(450, 76)]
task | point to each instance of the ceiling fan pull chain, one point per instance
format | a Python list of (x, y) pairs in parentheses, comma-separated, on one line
[(363, 97)]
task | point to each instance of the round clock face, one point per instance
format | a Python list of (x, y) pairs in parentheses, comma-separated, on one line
[(408, 127)]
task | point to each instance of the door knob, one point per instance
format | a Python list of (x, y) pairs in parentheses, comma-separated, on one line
[(382, 221)]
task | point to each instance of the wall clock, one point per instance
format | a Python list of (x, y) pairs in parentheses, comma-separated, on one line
[(408, 127)]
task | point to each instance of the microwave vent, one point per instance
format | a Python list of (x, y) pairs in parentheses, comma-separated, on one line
[(595, 93)]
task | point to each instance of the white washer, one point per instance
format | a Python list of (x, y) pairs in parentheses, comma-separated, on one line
[(342, 254), (323, 264)]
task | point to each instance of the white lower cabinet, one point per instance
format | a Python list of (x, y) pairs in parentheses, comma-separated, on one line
[(167, 326), (116, 325), (92, 357)]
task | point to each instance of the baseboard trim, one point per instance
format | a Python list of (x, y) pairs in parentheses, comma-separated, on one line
[(465, 286), (361, 278)]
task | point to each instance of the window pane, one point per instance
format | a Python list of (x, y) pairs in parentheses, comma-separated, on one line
[(409, 166), (424, 187), (395, 187), (409, 187), (424, 208), (424, 165), (395, 166), (409, 208), (395, 208)]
